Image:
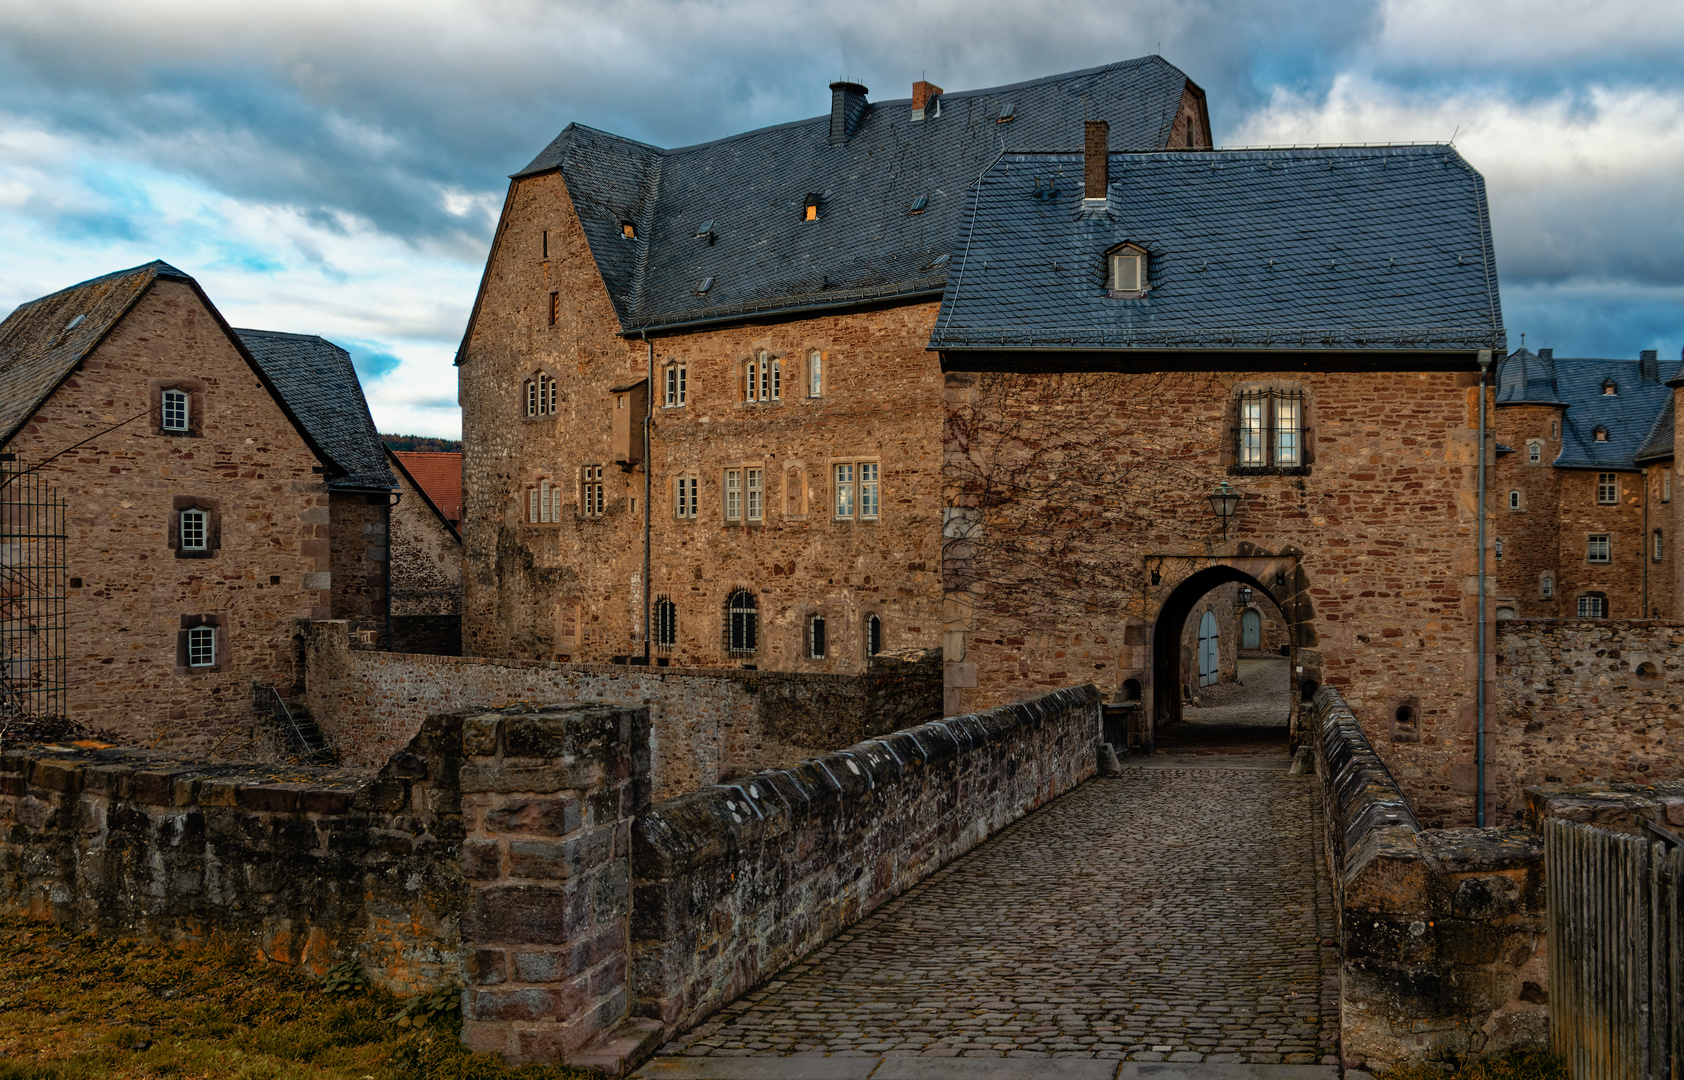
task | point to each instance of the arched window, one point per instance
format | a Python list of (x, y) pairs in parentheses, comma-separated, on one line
[(1406, 724), (742, 623), (540, 395), (873, 635), (815, 637), (666, 624)]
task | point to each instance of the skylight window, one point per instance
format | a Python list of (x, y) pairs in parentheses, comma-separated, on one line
[(704, 285), (704, 231), (919, 204), (74, 323), (1008, 113), (939, 260)]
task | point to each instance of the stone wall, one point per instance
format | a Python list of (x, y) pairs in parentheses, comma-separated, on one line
[(359, 525), (735, 881), (1585, 700), (426, 557), (1441, 930), (707, 724)]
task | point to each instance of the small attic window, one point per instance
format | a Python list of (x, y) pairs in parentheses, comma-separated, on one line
[(1126, 271), (939, 260), (810, 208), (1008, 113), (1600, 434), (704, 285), (704, 231), (1610, 388), (919, 204), (628, 229)]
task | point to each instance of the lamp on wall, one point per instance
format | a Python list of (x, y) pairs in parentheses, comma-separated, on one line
[(1223, 502), (1245, 595)]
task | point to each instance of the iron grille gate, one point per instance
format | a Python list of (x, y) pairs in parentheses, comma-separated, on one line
[(1616, 951), (32, 592)]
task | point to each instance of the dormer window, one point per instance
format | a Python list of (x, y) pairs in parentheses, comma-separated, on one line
[(628, 229), (1008, 113), (810, 208), (1600, 434), (1126, 271), (1610, 388), (919, 205)]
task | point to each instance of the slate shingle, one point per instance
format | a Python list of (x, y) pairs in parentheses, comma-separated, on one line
[(317, 382), (1351, 248)]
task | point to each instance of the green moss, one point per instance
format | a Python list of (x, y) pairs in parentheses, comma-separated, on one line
[(81, 1007), (1512, 1065)]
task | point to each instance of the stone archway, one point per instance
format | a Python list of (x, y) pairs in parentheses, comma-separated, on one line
[(1280, 577)]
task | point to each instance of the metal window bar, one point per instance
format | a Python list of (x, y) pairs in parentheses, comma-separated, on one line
[(1269, 429), (32, 595), (741, 623), (666, 624)]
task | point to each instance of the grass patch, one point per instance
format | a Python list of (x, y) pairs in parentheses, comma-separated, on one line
[(1512, 1065), (81, 1007)]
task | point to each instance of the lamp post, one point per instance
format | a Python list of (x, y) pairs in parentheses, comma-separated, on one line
[(1223, 502)]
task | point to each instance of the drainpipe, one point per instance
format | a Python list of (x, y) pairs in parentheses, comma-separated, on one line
[(1479, 740), (648, 487)]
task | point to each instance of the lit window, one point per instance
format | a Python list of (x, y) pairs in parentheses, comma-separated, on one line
[(1607, 488), (741, 623), (815, 637), (1600, 434), (628, 230), (873, 635), (1610, 388), (815, 373), (810, 208), (1597, 548), (1534, 453), (666, 624), (677, 385), (175, 417), (1271, 429), (1514, 499), (733, 494), (1546, 587), (592, 500), (194, 531), (754, 489), (1593, 606), (685, 497), (201, 646)]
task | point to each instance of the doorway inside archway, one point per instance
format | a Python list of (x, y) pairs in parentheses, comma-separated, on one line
[(1222, 668)]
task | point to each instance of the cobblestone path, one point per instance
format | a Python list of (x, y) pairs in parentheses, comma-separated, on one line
[(1175, 913)]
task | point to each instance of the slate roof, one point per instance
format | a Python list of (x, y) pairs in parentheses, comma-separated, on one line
[(39, 346), (1527, 378), (866, 244), (1333, 248), (315, 379), (1633, 415), (1657, 445), (439, 476)]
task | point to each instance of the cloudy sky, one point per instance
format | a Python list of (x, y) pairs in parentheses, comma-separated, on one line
[(336, 166)]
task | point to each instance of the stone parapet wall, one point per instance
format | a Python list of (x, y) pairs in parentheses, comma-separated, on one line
[(733, 882), (1575, 704), (708, 724), (1441, 930)]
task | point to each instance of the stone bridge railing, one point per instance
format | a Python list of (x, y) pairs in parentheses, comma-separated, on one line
[(516, 850)]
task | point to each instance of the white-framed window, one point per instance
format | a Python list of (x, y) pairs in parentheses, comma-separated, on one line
[(754, 494), (174, 411), (1546, 586), (844, 488), (733, 494), (1126, 270), (815, 374), (815, 637), (677, 388), (868, 490), (1514, 499), (1593, 606), (1534, 453), (763, 379), (544, 503), (540, 395), (873, 635), (666, 623), (1607, 488), (1598, 548), (195, 530), (1659, 547), (685, 501), (1270, 433), (592, 498), (201, 646), (857, 490)]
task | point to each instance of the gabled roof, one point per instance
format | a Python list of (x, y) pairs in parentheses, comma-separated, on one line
[(866, 244), (1629, 415), (1657, 445), (1335, 248), (316, 381), (1527, 378), (439, 476), (43, 340)]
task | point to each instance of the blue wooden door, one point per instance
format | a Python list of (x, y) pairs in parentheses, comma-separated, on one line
[(1208, 651), (1251, 629)]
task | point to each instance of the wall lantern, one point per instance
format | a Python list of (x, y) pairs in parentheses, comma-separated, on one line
[(1223, 502), (1245, 595)]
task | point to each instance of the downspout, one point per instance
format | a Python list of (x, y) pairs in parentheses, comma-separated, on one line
[(1479, 738), (1648, 544), (648, 487)]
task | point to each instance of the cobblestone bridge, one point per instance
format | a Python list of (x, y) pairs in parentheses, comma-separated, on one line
[(1175, 913)]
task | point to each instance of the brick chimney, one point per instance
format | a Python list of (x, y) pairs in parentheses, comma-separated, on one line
[(1096, 164), (922, 94), (847, 108)]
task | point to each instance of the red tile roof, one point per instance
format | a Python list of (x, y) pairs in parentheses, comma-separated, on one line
[(440, 476)]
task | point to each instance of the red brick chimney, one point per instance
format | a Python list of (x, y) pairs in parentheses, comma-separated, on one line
[(922, 94), (1096, 155)]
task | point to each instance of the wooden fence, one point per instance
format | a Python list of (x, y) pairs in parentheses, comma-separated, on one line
[(1616, 951)]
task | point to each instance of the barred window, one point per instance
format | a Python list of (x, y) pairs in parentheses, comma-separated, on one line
[(592, 500), (815, 637), (754, 486), (733, 494), (540, 396), (174, 411), (1593, 606), (741, 623), (194, 531), (1597, 548), (685, 497), (201, 646), (1607, 488), (666, 624), (677, 388), (1270, 433)]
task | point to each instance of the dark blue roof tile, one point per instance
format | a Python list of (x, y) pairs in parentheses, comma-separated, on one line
[(317, 382)]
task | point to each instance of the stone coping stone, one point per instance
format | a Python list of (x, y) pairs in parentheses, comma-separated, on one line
[(1016, 1067)]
